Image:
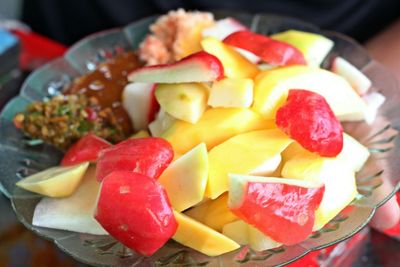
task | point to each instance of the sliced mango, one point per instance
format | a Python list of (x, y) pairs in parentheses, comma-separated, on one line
[(202, 238), (214, 127), (235, 65), (56, 181), (256, 152), (272, 86), (185, 179), (213, 213)]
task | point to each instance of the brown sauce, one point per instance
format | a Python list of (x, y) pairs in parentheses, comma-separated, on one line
[(106, 83)]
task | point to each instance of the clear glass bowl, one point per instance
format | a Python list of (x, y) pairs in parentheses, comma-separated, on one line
[(377, 181)]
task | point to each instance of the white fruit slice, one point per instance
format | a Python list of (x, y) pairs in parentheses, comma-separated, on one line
[(237, 231), (353, 153), (314, 47), (354, 76), (245, 234), (74, 213), (56, 181), (231, 93), (137, 101), (373, 102), (162, 122), (224, 27), (185, 179), (185, 101)]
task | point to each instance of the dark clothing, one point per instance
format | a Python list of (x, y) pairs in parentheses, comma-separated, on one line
[(68, 21)]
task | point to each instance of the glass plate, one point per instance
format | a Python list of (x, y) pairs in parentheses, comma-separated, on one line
[(377, 182)]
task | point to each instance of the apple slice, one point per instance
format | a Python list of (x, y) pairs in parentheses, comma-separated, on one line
[(185, 101), (235, 65), (135, 210), (354, 76), (314, 47), (271, 51), (140, 103), (198, 67), (231, 93), (162, 122), (213, 213), (56, 181), (185, 179), (148, 156), (245, 234), (86, 149), (73, 213), (202, 238), (273, 204), (253, 152)]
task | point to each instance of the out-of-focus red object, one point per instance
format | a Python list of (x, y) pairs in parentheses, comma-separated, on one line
[(37, 49), (343, 254)]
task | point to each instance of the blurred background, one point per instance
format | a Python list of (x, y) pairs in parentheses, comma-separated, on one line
[(32, 32)]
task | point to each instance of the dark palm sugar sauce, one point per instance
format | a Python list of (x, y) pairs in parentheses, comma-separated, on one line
[(106, 83)]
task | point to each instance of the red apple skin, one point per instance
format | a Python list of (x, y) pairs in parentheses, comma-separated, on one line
[(271, 51), (86, 149), (148, 156), (307, 118), (283, 212), (136, 211), (212, 66)]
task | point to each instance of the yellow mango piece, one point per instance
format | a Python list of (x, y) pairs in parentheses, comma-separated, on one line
[(257, 152), (185, 179), (235, 65), (213, 213), (338, 177), (202, 238), (272, 86), (55, 182), (214, 127), (353, 154), (141, 134)]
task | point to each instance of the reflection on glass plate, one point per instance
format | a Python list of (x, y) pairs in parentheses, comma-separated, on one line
[(19, 157)]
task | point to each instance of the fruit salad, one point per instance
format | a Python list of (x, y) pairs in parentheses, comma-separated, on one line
[(237, 140)]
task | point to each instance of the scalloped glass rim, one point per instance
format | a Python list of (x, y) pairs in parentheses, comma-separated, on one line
[(16, 158)]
